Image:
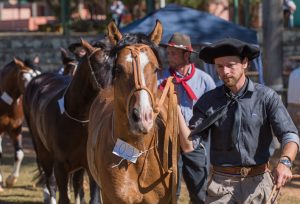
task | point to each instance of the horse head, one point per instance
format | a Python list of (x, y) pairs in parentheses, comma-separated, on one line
[(135, 80), (99, 64), (69, 64), (14, 78)]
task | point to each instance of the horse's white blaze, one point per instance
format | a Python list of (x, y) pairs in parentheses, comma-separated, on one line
[(144, 96), (28, 76), (145, 103)]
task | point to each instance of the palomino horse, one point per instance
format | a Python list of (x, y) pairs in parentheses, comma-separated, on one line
[(14, 77), (57, 111), (127, 149)]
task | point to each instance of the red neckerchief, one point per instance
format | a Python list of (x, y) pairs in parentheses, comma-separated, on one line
[(182, 81)]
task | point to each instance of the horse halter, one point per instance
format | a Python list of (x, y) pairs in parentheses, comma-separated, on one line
[(91, 69), (75, 65), (63, 108), (138, 84)]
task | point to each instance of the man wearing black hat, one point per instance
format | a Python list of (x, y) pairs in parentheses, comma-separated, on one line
[(191, 83), (239, 117)]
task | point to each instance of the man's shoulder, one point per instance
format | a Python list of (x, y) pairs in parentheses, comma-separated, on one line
[(202, 74), (264, 91)]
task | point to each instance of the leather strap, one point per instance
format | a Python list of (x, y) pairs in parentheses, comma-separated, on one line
[(242, 171)]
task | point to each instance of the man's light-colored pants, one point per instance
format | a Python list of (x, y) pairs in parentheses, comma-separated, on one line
[(224, 188)]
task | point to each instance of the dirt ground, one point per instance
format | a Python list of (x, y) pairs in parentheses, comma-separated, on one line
[(26, 192)]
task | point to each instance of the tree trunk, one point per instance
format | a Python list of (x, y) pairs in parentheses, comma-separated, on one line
[(272, 43)]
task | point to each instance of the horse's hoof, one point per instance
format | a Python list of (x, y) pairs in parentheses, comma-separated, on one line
[(10, 181)]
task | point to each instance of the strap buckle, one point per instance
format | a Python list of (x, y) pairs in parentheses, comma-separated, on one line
[(245, 171)]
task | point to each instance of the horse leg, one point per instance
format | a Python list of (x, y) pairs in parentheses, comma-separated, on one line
[(95, 193), (50, 189), (78, 186), (19, 155), (1, 178), (62, 179)]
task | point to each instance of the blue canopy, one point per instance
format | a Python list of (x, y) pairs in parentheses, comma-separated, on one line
[(201, 26)]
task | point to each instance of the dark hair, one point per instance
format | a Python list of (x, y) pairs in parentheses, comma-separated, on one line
[(131, 39)]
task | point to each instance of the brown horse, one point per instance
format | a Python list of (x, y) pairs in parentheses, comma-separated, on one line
[(57, 111), (127, 144), (14, 77)]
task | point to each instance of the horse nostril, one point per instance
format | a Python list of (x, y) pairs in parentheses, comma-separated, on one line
[(135, 115)]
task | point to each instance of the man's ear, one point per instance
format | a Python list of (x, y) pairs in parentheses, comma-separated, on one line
[(245, 63), (186, 56)]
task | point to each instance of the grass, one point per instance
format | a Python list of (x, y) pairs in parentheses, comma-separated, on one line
[(26, 192)]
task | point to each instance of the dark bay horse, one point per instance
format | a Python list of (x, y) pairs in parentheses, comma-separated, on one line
[(128, 146), (69, 64), (56, 110), (14, 77)]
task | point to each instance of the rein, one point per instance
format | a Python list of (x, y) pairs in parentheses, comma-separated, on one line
[(91, 69), (63, 96), (171, 131), (275, 192)]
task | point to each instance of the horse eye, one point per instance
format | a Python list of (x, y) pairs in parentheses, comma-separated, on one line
[(156, 69)]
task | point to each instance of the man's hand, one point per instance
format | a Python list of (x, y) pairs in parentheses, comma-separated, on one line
[(282, 174)]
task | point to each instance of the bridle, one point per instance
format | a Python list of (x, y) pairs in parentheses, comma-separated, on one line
[(95, 79), (91, 69), (138, 84), (75, 65), (171, 130)]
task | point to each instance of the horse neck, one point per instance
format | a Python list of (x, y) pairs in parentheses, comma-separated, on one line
[(12, 89), (81, 92)]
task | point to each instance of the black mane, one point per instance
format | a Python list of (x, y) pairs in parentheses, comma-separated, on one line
[(135, 38), (102, 70), (107, 73)]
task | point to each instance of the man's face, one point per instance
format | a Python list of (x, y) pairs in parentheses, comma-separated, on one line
[(177, 58), (230, 69)]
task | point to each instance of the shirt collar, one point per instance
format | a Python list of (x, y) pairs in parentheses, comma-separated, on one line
[(180, 75)]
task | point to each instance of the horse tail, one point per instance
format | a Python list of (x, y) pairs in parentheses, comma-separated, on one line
[(28, 97)]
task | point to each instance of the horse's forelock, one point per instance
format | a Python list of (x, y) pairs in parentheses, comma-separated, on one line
[(102, 68), (131, 39)]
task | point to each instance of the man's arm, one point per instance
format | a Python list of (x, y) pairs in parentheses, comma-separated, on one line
[(184, 132), (286, 132), (282, 173)]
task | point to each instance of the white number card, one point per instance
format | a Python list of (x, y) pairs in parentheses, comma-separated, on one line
[(126, 151)]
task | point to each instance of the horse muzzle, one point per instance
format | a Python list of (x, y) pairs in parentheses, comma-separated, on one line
[(141, 120)]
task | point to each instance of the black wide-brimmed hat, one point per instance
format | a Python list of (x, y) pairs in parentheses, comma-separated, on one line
[(228, 47), (180, 41)]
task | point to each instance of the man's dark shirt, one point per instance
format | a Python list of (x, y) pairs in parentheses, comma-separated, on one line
[(262, 111)]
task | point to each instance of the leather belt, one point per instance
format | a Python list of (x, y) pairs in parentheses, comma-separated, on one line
[(242, 171)]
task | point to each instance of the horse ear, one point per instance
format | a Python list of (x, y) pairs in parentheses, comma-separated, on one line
[(114, 34), (19, 63), (63, 53), (87, 46), (156, 34)]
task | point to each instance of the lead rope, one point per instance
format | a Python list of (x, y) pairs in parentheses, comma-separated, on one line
[(172, 113), (275, 192)]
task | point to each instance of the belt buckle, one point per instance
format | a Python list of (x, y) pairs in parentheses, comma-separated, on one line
[(245, 171)]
